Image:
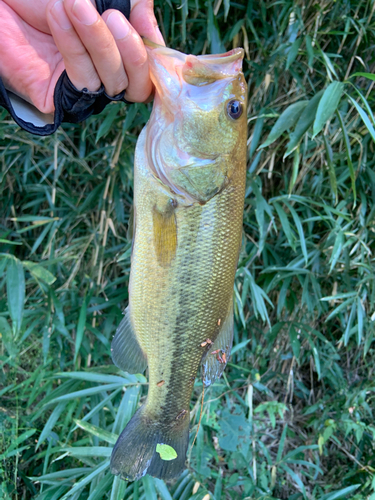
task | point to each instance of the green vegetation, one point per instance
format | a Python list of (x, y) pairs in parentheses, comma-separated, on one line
[(292, 417)]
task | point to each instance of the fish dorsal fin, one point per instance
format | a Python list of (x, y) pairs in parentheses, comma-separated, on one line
[(126, 351), (217, 357)]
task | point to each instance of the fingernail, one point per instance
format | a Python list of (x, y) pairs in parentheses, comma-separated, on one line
[(85, 12), (117, 26), (59, 15)]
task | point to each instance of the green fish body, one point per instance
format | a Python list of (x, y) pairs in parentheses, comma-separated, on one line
[(189, 188)]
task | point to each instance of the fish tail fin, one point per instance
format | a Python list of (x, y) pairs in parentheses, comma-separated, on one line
[(135, 455)]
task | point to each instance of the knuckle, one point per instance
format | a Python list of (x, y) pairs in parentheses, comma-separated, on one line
[(120, 86), (139, 59), (137, 95)]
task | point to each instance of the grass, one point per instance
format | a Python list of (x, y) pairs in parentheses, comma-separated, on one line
[(292, 418)]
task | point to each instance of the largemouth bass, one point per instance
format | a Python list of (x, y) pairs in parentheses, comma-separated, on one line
[(189, 187)]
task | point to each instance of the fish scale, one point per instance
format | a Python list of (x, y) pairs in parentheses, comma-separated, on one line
[(188, 227)]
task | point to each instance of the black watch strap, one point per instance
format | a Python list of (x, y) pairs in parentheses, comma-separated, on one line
[(71, 105)]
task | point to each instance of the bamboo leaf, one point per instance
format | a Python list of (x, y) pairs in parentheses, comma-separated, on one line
[(348, 155), (81, 326), (102, 434), (286, 120), (301, 234), (15, 292), (327, 105), (39, 272), (304, 122)]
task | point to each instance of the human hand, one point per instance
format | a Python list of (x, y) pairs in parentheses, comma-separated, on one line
[(41, 38)]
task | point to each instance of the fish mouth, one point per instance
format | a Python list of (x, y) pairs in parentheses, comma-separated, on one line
[(228, 57), (171, 69)]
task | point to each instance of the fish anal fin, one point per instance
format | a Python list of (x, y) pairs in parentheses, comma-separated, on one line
[(165, 234), (126, 351), (214, 363)]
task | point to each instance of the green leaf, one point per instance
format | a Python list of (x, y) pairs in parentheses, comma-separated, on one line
[(257, 132), (298, 224), (126, 409), (327, 105), (281, 444), (102, 434), (162, 489), (339, 296), (364, 117), (341, 494), (370, 76), (286, 120), (81, 326), (294, 342), (315, 355), (331, 167), (39, 272), (15, 292), (149, 487), (310, 51), (20, 439), (166, 452), (6, 337), (285, 225), (239, 346), (293, 179), (348, 155), (304, 122), (336, 251), (87, 479), (106, 124), (296, 479), (340, 308), (93, 377), (348, 333), (118, 489), (293, 52), (53, 418), (360, 317), (101, 490), (88, 451)]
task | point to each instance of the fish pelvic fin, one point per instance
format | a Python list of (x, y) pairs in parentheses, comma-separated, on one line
[(126, 352), (135, 452), (215, 361)]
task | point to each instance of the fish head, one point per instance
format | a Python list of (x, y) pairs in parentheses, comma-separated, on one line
[(196, 136)]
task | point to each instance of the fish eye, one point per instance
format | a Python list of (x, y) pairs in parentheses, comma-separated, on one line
[(234, 109)]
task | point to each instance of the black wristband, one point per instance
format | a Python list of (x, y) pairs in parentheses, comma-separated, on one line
[(71, 105), (121, 5)]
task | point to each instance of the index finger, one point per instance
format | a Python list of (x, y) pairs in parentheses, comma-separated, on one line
[(142, 18)]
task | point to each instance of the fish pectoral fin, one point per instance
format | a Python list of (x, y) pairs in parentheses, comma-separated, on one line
[(126, 351), (214, 363), (165, 234)]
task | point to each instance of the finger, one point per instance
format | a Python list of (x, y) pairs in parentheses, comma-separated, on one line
[(33, 13), (99, 43), (78, 63), (143, 19), (134, 56)]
